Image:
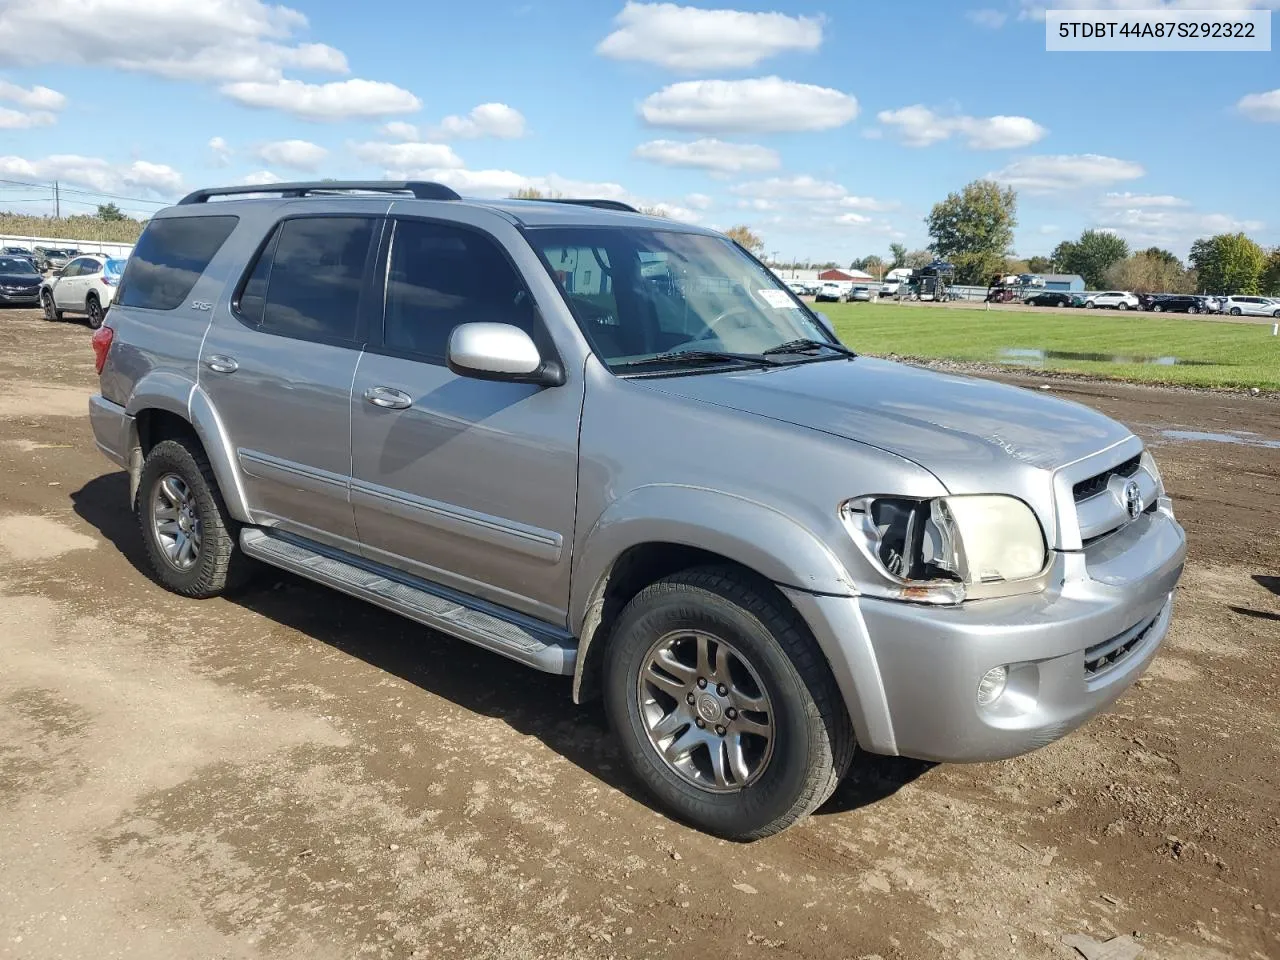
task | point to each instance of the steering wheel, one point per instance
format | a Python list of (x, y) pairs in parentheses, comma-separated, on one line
[(712, 327)]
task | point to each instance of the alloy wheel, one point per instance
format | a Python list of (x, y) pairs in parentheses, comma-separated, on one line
[(705, 710), (175, 520)]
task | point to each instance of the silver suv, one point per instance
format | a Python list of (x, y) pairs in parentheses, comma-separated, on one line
[(618, 448)]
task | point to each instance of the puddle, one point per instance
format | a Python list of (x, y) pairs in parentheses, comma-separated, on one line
[(1240, 437), (1033, 358)]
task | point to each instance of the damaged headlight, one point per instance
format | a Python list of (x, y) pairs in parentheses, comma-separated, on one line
[(950, 549)]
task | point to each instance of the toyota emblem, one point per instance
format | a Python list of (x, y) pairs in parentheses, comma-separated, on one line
[(1133, 500)]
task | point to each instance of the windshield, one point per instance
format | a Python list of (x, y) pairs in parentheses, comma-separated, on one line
[(115, 267), (640, 294), (17, 265)]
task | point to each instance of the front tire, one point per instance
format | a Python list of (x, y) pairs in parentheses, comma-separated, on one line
[(1156, 308), (190, 539), (1122, 306), (1235, 311), (723, 705), (51, 311)]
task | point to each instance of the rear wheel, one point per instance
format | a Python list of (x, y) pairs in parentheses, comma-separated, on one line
[(51, 311), (1090, 305), (1235, 311), (724, 706), (93, 308), (1122, 306), (189, 536), (1193, 310), (1156, 308)]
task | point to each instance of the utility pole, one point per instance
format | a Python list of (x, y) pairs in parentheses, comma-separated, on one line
[(57, 202)]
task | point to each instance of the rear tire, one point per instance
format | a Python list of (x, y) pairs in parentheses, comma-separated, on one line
[(1122, 306), (1235, 311), (763, 671), (1156, 308), (51, 311), (1192, 310), (93, 310), (179, 506)]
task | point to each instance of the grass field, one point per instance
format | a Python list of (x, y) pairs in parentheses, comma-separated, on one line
[(1207, 354)]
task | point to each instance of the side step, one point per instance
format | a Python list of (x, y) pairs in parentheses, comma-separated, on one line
[(524, 639)]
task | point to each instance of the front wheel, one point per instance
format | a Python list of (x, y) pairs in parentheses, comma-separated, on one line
[(1235, 311), (1122, 306), (1192, 310), (1089, 304), (189, 537), (51, 311), (1156, 308), (724, 706)]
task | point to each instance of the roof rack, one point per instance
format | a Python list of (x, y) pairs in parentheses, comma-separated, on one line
[(421, 189), (602, 204)]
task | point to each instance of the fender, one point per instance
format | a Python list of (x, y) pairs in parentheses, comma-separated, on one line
[(747, 532), (178, 395)]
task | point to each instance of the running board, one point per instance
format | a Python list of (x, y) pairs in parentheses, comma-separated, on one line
[(524, 639)]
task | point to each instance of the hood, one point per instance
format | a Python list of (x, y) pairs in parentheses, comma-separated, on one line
[(958, 428)]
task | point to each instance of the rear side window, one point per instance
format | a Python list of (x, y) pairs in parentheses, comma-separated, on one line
[(441, 276), (169, 258), (307, 280)]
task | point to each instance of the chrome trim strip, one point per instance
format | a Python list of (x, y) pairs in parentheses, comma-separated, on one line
[(261, 466)]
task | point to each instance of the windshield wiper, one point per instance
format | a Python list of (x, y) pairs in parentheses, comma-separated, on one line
[(808, 346), (698, 357)]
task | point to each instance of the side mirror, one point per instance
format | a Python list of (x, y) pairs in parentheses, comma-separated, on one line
[(826, 323), (499, 351)]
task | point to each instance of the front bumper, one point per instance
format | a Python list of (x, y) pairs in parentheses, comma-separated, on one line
[(27, 297), (926, 662)]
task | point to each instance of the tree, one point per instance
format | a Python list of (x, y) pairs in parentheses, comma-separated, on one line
[(974, 229), (1040, 265), (898, 252), (869, 264), (110, 213), (653, 212), (917, 259), (1229, 264), (1270, 282), (533, 193), (743, 236), (1150, 272), (1159, 253), (1091, 256)]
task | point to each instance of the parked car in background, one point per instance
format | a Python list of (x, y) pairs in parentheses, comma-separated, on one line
[(86, 285), (830, 292), (1049, 298), (770, 555), (1251, 307), (1176, 303), (797, 287), (54, 258), (19, 281), (861, 294), (1114, 300), (890, 288)]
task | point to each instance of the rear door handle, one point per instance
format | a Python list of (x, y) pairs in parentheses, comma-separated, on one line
[(388, 398), (221, 364)]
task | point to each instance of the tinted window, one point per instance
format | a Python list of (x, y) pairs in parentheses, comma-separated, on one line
[(314, 278), (442, 276), (169, 258)]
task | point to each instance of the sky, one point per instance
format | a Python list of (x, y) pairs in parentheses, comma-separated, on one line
[(830, 128)]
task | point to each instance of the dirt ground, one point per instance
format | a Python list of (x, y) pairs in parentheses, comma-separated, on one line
[(293, 773)]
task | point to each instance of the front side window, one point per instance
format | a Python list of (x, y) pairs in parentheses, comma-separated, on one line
[(441, 276), (169, 258), (640, 294), (306, 282)]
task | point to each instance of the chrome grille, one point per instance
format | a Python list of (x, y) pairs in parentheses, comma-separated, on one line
[(1098, 484), (1104, 657)]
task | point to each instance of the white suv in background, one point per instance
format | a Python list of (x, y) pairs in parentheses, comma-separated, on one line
[(1114, 299), (85, 285), (1251, 306)]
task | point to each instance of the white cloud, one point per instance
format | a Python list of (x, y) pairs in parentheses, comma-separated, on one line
[(987, 17), (1263, 107), (35, 98), (693, 40), (399, 130), (699, 201), (486, 120), (221, 151), (297, 154), (339, 100), (1050, 174), (1035, 9), (919, 126), (1172, 228), (22, 120), (260, 178), (401, 156), (95, 173), (868, 203), (1123, 201), (714, 155), (219, 40), (763, 104), (793, 188)]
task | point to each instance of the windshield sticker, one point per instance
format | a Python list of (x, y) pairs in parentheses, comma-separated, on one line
[(776, 299)]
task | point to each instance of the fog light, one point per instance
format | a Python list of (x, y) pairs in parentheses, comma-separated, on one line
[(992, 685)]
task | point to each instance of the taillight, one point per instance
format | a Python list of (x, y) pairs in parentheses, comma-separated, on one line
[(101, 345), (108, 281)]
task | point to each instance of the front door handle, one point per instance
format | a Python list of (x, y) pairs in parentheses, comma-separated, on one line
[(389, 398), (221, 364)]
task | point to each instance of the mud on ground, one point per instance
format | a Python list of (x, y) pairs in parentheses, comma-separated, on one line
[(293, 773)]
